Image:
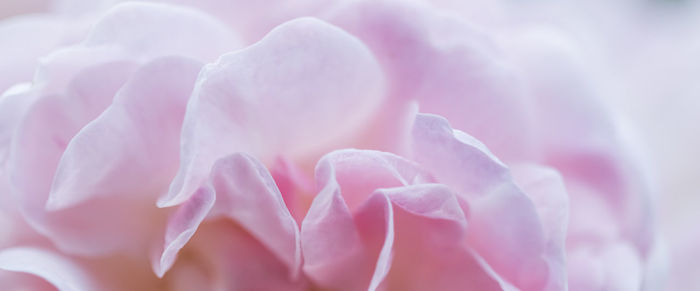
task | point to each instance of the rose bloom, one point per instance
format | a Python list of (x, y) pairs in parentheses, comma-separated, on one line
[(313, 145)]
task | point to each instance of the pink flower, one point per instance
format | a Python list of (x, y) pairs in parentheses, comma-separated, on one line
[(215, 145)]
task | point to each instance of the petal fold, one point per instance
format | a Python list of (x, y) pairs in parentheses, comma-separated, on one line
[(133, 147), (61, 272), (399, 231), (423, 248), (305, 80), (500, 214), (545, 187), (247, 194), (242, 191), (331, 241)]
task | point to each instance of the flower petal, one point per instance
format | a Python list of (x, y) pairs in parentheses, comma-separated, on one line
[(247, 194), (23, 281), (448, 66), (233, 259), (578, 137), (306, 79), (427, 228), (360, 172), (500, 213), (364, 238), (145, 29), (545, 188), (253, 19), (374, 210), (23, 40), (39, 141), (131, 148), (295, 185), (182, 225), (331, 242), (61, 272)]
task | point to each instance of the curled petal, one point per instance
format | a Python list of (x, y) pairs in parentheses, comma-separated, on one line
[(296, 187), (500, 213), (331, 241), (240, 190), (360, 172), (545, 188), (423, 247), (400, 218), (40, 139), (182, 225), (61, 272), (247, 194), (133, 146), (456, 158), (305, 80)]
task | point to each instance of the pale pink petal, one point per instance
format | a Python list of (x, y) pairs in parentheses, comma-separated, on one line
[(247, 194), (380, 236), (41, 138), (22, 281), (456, 158), (50, 122), (577, 135), (189, 275), (427, 228), (182, 225), (136, 32), (392, 216), (61, 272), (12, 226), (132, 148), (500, 213), (13, 103), (330, 239), (230, 258), (146, 30), (57, 71), (305, 80), (545, 188), (295, 185), (360, 172), (591, 217), (253, 19), (23, 40), (330, 242), (451, 68)]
